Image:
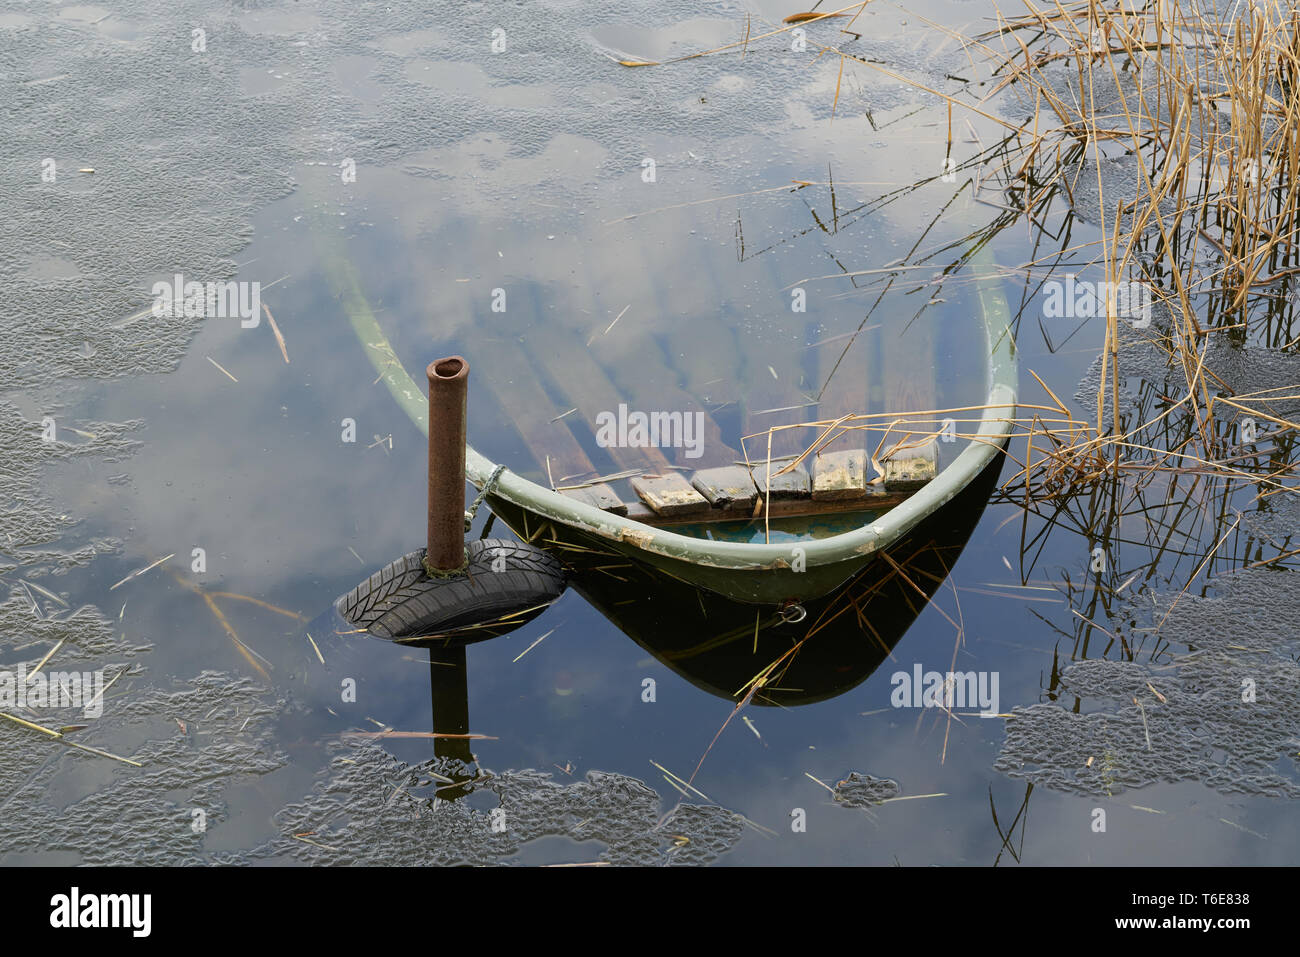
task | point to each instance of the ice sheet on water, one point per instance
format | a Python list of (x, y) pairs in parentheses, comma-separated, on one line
[(1242, 644), (864, 790), (29, 519), (369, 807), (1246, 369), (194, 738)]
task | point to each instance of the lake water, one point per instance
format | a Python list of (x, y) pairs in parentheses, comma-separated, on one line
[(646, 228)]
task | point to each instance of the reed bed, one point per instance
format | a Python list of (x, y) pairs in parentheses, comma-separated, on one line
[(1201, 109), (1182, 447)]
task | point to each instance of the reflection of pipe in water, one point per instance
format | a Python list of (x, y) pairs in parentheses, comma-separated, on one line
[(449, 692)]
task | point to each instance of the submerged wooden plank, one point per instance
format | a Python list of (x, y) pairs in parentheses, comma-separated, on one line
[(910, 388), (706, 354), (669, 494), (729, 487), (641, 370), (777, 384), (777, 401), (514, 385), (847, 370), (910, 468), (600, 496), (587, 387), (844, 372), (876, 502), (701, 334), (520, 395), (792, 484), (629, 347), (909, 373), (841, 475)]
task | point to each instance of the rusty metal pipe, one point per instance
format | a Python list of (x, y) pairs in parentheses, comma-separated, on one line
[(448, 387)]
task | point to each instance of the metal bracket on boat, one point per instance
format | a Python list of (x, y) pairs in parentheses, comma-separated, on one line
[(792, 613)]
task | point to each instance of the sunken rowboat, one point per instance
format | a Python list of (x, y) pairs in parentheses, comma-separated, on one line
[(823, 542)]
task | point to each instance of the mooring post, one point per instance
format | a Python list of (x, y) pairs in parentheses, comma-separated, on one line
[(448, 386)]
